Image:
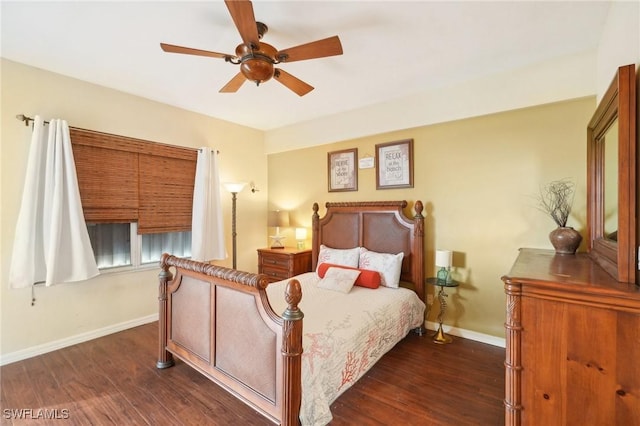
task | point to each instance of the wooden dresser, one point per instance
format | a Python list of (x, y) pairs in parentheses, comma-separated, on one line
[(280, 264), (572, 343)]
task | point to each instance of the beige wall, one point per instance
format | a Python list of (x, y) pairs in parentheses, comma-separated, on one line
[(478, 179), (73, 309)]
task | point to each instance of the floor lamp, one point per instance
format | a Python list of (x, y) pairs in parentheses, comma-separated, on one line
[(234, 188)]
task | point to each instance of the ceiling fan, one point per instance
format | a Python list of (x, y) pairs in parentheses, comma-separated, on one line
[(257, 59)]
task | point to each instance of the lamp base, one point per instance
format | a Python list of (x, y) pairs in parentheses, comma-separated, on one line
[(277, 241), (444, 275), (440, 337)]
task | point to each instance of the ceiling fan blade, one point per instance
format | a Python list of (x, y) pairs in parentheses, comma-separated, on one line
[(189, 51), (316, 49), (242, 14), (234, 84), (291, 82)]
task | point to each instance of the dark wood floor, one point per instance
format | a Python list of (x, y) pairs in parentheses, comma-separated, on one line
[(113, 380)]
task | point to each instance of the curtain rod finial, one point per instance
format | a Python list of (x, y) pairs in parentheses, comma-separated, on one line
[(24, 118)]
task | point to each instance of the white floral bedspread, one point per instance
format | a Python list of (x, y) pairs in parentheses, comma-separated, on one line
[(344, 335)]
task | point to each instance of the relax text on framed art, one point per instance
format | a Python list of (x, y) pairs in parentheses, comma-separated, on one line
[(342, 170), (394, 164)]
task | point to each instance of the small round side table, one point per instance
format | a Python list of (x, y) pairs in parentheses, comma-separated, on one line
[(439, 336)]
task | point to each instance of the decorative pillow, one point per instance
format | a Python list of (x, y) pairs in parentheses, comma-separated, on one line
[(339, 279), (389, 265), (367, 278), (343, 257)]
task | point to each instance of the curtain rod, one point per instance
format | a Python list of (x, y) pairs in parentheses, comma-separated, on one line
[(27, 119), (217, 151)]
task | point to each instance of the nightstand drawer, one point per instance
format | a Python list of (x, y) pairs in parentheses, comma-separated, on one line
[(276, 274), (275, 261)]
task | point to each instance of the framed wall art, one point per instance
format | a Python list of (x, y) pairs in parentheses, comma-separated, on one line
[(394, 164), (342, 170)]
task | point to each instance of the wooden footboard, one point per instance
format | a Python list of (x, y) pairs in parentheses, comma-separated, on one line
[(219, 321)]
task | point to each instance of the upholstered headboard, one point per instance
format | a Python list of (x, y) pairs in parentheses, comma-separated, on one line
[(379, 226)]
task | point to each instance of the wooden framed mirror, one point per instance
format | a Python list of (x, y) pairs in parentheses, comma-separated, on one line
[(612, 178)]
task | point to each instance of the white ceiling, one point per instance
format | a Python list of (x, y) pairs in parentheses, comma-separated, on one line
[(392, 49)]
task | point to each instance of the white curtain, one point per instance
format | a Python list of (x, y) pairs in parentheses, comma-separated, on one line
[(51, 240), (207, 225)]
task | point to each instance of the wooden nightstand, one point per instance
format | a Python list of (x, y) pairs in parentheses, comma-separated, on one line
[(280, 264)]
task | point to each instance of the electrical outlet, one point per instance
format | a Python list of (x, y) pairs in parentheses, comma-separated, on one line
[(429, 299)]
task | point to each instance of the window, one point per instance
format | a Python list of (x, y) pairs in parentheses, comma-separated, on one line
[(118, 245), (111, 243), (153, 245), (136, 197)]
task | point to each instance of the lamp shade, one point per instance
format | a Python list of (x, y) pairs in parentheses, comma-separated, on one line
[(301, 233), (278, 218), (234, 187), (444, 258)]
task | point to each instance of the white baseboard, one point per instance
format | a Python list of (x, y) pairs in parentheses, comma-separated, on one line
[(94, 334), (72, 340), (468, 334)]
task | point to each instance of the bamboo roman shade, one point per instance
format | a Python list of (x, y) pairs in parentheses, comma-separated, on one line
[(108, 182), (166, 193), (124, 179)]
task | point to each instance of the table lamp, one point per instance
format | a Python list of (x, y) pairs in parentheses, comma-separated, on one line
[(301, 236), (443, 260), (278, 218)]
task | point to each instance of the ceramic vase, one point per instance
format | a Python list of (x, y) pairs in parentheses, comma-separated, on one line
[(565, 240)]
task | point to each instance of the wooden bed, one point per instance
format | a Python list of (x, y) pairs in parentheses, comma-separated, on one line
[(221, 322)]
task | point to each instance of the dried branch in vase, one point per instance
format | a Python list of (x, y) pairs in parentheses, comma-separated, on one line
[(556, 199)]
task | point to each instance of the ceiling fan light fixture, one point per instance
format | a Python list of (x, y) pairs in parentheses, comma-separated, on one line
[(257, 64), (257, 69)]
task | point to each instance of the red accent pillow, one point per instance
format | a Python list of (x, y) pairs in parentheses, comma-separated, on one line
[(367, 278)]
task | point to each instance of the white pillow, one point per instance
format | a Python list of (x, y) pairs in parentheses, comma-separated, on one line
[(389, 265), (344, 257), (339, 279)]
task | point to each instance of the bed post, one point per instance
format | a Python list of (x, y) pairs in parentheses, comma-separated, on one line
[(165, 359), (418, 250), (292, 355), (315, 242)]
